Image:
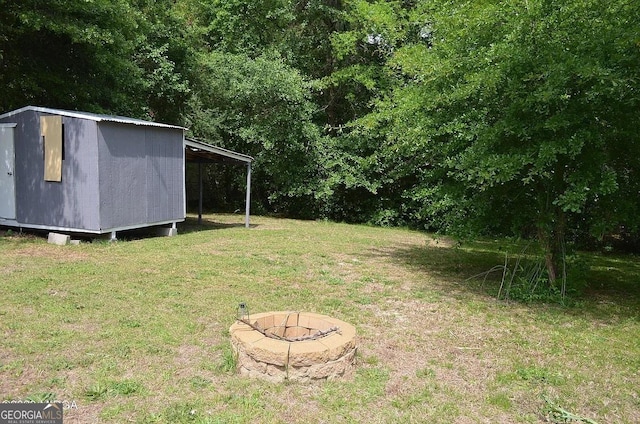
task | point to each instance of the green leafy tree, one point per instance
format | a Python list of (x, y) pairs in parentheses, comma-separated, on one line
[(70, 54), (240, 26), (261, 107), (165, 55), (354, 39), (520, 117), (343, 44)]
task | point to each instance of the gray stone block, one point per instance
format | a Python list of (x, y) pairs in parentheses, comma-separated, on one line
[(59, 239)]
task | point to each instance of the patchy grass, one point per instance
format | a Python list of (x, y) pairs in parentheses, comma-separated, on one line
[(137, 331)]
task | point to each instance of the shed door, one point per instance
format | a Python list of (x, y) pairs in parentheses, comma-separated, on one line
[(7, 177)]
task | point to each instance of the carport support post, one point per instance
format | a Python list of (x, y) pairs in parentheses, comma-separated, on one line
[(248, 201), (200, 197)]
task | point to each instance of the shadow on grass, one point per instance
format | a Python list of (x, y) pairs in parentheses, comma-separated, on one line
[(191, 225), (611, 283), (17, 236)]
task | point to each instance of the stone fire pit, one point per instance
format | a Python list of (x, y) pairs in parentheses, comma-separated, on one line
[(296, 346)]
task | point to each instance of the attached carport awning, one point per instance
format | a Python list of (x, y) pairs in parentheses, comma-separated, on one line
[(202, 153)]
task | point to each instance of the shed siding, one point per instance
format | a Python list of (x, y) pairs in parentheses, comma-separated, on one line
[(137, 182), (122, 175), (165, 178), (73, 200)]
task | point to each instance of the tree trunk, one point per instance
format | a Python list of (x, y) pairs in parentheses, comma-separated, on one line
[(551, 238)]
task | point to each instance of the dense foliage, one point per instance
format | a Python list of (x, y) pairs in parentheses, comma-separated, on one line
[(509, 117), (526, 111)]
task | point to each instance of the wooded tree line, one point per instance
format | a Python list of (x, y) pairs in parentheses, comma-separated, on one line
[(506, 117)]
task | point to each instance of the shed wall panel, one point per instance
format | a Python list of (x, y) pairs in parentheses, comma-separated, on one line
[(141, 175), (122, 167), (165, 178), (72, 201)]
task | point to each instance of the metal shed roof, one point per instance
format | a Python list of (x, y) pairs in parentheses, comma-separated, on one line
[(201, 153), (90, 116), (196, 151)]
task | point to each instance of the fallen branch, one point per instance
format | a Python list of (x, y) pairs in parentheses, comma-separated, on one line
[(317, 335)]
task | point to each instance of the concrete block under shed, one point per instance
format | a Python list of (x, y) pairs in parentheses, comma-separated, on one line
[(59, 239)]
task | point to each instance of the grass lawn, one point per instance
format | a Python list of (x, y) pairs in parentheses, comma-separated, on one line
[(137, 331)]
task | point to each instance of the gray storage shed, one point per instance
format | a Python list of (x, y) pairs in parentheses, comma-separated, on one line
[(89, 173)]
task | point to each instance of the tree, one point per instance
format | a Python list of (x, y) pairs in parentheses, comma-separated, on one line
[(165, 55), (353, 41), (70, 54), (240, 26), (520, 117), (261, 107)]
